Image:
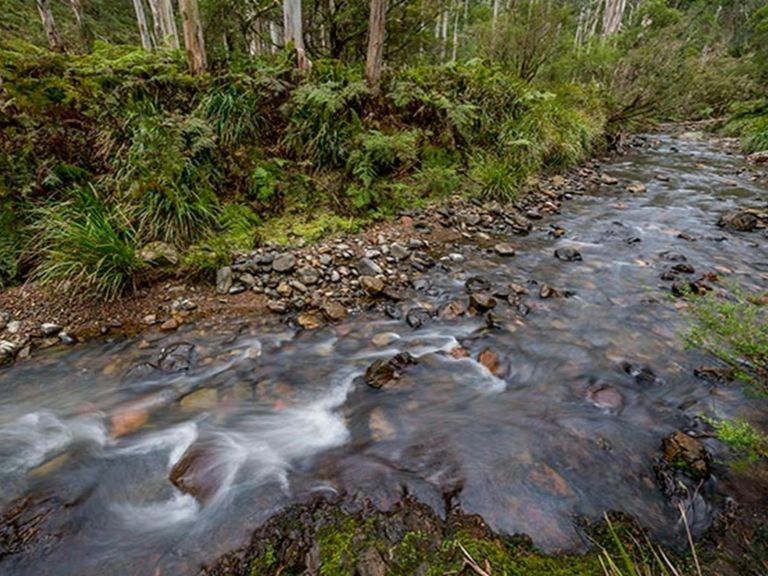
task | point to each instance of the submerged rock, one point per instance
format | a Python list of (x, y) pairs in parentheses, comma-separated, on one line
[(386, 373), (199, 473), (481, 302), (417, 317)]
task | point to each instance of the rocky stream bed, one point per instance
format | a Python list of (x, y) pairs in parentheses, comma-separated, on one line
[(468, 372)]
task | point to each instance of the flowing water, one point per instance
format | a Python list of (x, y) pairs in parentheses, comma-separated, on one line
[(279, 416)]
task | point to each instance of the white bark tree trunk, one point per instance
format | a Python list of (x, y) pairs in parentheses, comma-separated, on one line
[(613, 16), (86, 35), (169, 24), (55, 42), (377, 31), (193, 36), (294, 33), (141, 20)]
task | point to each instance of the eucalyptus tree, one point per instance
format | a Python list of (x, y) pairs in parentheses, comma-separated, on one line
[(55, 42), (376, 36)]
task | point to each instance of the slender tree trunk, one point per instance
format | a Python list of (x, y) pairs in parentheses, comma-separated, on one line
[(274, 36), (444, 35), (157, 22), (495, 21), (613, 16), (141, 20), (193, 36), (376, 34), (455, 47), (55, 42), (294, 33), (169, 24), (86, 34)]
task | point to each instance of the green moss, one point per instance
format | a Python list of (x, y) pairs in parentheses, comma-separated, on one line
[(286, 230)]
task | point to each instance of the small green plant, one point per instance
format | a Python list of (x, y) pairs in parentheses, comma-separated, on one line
[(81, 241), (743, 438), (734, 329), (497, 178)]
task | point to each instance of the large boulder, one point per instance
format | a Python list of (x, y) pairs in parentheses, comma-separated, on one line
[(200, 472)]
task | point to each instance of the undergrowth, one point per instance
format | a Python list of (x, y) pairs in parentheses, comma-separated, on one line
[(214, 164)]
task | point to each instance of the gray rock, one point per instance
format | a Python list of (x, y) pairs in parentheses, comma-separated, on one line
[(504, 249), (568, 254), (159, 254), (7, 351), (277, 306), (50, 329), (13, 326), (399, 251), (284, 263), (308, 275), (5, 317), (367, 267), (224, 280)]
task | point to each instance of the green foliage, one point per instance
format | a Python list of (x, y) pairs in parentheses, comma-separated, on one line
[(322, 121), (743, 438), (10, 245), (497, 178), (377, 154), (82, 240), (169, 178), (734, 330)]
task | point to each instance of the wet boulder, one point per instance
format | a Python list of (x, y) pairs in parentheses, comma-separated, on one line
[(687, 454), (568, 254), (386, 373), (605, 397), (739, 220), (177, 357), (417, 317), (758, 157), (477, 284), (199, 473), (480, 302)]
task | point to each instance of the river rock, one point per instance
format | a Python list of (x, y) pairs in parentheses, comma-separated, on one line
[(372, 285), (417, 317), (367, 267), (177, 357), (386, 373), (5, 317), (384, 339), (608, 180), (50, 329), (568, 254), (504, 249), (199, 473), (605, 397), (758, 157), (481, 302), (284, 263), (202, 399), (546, 291), (399, 251), (636, 188), (490, 360), (7, 351), (380, 426), (477, 284), (739, 220), (334, 311), (277, 306), (452, 310), (308, 275), (309, 321), (224, 280), (687, 454), (159, 254)]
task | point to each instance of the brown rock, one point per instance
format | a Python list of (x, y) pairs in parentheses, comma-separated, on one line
[(687, 454), (199, 473), (387, 372), (169, 325), (334, 311), (372, 285), (490, 360), (310, 320), (481, 302)]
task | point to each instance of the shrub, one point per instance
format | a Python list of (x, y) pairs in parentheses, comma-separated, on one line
[(82, 241)]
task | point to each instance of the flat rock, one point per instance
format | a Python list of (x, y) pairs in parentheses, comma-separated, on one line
[(568, 254), (334, 311)]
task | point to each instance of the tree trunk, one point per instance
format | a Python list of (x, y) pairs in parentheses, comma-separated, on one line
[(455, 47), (613, 16), (141, 20), (376, 34), (496, 7), (55, 42), (86, 34), (193, 36), (157, 22), (169, 23), (293, 32)]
